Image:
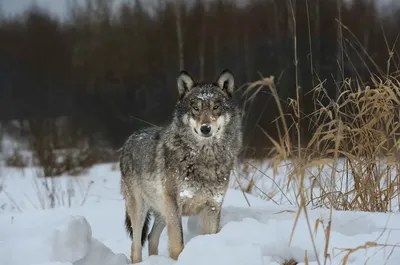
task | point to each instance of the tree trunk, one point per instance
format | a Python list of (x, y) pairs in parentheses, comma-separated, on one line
[(317, 39), (202, 45), (178, 16), (339, 51)]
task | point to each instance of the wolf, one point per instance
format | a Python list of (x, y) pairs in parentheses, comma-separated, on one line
[(182, 168)]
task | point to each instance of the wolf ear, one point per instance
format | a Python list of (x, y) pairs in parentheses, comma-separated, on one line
[(226, 82), (185, 83)]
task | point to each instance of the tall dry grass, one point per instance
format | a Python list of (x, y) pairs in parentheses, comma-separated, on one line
[(352, 158), (352, 161)]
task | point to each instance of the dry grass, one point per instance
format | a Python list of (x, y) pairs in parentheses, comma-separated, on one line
[(16, 160), (290, 262), (351, 162)]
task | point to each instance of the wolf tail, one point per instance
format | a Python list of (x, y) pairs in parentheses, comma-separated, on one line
[(145, 230)]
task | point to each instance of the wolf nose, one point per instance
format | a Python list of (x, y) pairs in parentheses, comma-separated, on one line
[(205, 129)]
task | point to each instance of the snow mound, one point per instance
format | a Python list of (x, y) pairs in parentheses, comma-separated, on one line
[(71, 242), (261, 235), (61, 242)]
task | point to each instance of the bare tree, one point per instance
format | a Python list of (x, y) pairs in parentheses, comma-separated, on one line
[(216, 36), (317, 33), (1, 136), (178, 15), (1, 10), (339, 51), (202, 41)]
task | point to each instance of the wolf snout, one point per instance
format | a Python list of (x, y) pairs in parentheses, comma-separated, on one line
[(205, 129)]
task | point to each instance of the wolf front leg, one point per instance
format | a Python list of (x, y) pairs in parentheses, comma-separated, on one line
[(210, 218), (173, 217)]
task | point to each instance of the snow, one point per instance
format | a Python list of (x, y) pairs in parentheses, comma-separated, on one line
[(186, 194), (84, 225), (62, 238), (205, 96), (219, 197)]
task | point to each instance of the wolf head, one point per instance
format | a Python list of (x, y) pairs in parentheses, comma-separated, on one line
[(205, 109)]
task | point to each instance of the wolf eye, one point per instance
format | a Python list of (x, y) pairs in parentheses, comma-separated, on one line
[(216, 107), (195, 108)]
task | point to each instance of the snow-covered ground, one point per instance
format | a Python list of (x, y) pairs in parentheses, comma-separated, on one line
[(84, 225)]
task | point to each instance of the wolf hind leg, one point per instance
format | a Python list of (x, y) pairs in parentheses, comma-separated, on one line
[(128, 224), (137, 211), (155, 233)]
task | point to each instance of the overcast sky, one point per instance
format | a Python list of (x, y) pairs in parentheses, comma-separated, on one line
[(58, 7)]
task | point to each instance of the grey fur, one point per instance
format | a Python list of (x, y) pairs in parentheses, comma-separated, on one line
[(182, 169)]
